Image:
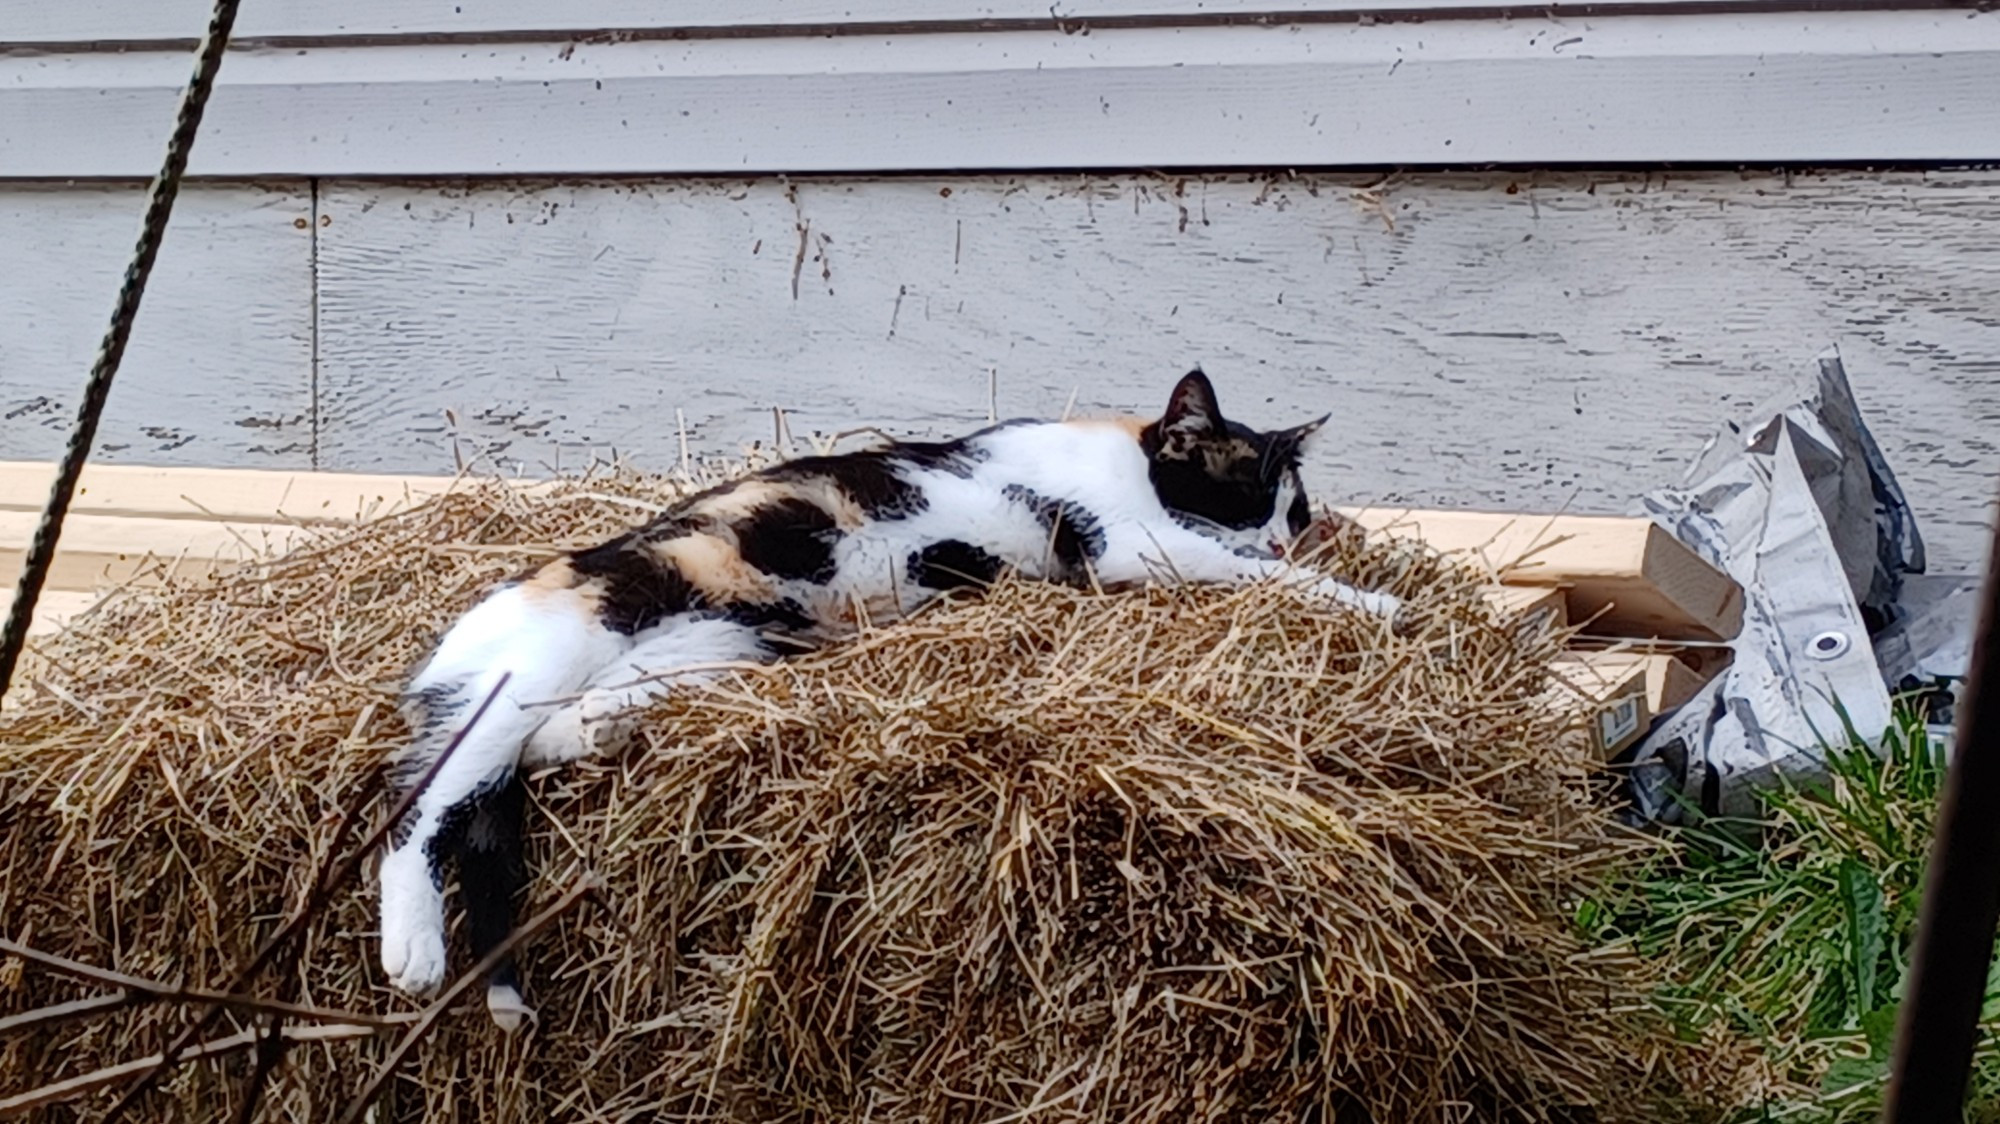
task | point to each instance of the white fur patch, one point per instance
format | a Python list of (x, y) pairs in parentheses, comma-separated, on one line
[(679, 653)]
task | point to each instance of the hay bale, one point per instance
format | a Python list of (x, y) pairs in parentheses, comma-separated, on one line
[(1046, 854)]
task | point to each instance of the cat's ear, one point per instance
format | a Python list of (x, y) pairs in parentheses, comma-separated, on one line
[(1192, 411), (1296, 436)]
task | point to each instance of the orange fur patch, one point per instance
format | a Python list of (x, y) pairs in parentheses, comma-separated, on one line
[(1132, 427), (713, 565), (559, 581)]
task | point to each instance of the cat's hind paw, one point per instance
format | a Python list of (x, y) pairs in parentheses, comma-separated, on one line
[(508, 1009), (413, 954)]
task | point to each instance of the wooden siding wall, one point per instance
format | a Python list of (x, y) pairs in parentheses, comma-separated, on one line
[(1530, 340)]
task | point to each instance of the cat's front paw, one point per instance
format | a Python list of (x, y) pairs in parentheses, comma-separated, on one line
[(597, 725), (1385, 605)]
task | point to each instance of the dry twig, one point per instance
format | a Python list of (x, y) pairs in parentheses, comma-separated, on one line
[(73, 1087)]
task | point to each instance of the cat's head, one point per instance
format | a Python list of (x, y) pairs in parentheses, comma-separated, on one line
[(1225, 480)]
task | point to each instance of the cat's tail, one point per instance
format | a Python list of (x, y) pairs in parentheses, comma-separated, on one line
[(492, 869), (514, 653)]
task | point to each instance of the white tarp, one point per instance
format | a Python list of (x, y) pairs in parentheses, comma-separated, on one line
[(1801, 509)]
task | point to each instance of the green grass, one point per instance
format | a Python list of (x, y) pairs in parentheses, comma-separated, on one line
[(1796, 931)]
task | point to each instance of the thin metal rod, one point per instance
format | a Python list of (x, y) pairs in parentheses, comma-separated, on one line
[(111, 350), (1939, 1022)]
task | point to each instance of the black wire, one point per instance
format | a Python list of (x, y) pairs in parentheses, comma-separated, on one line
[(159, 206)]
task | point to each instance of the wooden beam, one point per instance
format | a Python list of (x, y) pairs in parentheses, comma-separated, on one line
[(53, 609), (1529, 608), (1624, 577), (98, 551), (234, 495)]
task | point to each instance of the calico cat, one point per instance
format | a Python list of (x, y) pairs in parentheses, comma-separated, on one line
[(788, 558)]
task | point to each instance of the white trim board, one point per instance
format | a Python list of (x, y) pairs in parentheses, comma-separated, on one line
[(1760, 88), (26, 23)]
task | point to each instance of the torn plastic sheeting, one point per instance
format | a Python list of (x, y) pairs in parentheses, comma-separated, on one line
[(1928, 650), (1806, 515)]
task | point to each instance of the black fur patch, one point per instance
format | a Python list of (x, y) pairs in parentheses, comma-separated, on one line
[(1074, 535), (953, 564), (956, 457), (457, 821), (791, 539), (781, 616), (868, 478), (492, 869), (640, 589), (431, 713), (1204, 478)]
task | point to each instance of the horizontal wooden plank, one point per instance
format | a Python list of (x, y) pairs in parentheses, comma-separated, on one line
[(1764, 88), (1531, 609), (1670, 680), (235, 495), (53, 609), (177, 21), (102, 551), (1623, 576)]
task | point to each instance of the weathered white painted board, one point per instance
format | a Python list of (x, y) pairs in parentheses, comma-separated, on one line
[(1534, 341), (1763, 89), (219, 370), (126, 21)]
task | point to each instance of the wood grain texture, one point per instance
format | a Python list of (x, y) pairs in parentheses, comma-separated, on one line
[(1526, 343), (1769, 88), (219, 370)]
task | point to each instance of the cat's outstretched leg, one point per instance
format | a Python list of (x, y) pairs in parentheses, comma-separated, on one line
[(683, 652), (546, 642), (1133, 553)]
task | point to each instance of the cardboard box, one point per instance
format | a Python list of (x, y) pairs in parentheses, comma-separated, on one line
[(1610, 695), (1624, 577)]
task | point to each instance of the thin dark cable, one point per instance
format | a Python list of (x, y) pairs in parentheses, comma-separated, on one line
[(159, 207)]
